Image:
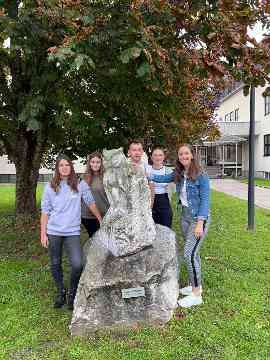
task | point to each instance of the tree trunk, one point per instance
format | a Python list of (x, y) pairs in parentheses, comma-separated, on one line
[(27, 162)]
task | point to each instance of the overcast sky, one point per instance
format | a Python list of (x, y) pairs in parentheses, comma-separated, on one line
[(256, 32)]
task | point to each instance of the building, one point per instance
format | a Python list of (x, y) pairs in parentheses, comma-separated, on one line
[(229, 154), (8, 171)]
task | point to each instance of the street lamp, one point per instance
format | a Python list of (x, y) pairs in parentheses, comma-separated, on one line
[(251, 211)]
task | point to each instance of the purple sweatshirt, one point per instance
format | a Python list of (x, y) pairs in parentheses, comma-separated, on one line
[(64, 208)]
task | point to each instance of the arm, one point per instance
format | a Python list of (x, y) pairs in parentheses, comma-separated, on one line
[(89, 199), (203, 206), (93, 208), (204, 197), (43, 230), (46, 208), (162, 178), (152, 192)]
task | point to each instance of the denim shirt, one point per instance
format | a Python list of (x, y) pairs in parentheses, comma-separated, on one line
[(198, 193)]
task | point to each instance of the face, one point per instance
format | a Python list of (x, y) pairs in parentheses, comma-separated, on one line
[(158, 157), (95, 164), (135, 152), (185, 156), (64, 168)]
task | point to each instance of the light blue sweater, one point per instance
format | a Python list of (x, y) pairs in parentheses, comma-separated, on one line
[(64, 208)]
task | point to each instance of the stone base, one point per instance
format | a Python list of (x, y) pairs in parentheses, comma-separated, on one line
[(99, 303)]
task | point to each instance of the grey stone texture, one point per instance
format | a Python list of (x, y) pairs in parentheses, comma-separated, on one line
[(128, 226), (99, 303), (128, 251)]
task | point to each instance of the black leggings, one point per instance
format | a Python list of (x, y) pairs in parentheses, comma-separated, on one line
[(162, 211), (91, 225)]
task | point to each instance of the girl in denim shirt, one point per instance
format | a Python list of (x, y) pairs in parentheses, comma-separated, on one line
[(60, 225), (193, 193)]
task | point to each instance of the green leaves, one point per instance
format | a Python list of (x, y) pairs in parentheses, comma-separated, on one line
[(33, 125), (143, 69), (129, 54), (73, 59), (88, 19), (33, 112), (82, 59), (61, 54)]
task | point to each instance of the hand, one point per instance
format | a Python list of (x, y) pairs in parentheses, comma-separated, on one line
[(199, 230), (44, 240)]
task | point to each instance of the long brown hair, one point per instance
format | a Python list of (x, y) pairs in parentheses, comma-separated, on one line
[(72, 180), (194, 169), (89, 173)]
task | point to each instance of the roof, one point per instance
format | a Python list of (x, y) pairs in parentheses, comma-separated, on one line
[(230, 139)]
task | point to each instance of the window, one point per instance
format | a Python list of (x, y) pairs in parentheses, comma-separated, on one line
[(236, 115), (232, 116), (230, 156), (267, 105), (267, 145)]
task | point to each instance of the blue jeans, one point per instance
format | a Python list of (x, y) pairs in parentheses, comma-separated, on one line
[(72, 246)]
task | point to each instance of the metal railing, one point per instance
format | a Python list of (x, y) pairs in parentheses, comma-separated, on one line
[(240, 128)]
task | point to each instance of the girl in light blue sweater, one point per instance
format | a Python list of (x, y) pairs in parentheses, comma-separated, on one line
[(60, 225)]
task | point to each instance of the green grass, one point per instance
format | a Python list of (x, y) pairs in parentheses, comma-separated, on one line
[(259, 182), (7, 198), (232, 324)]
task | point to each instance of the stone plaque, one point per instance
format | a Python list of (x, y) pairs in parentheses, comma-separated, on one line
[(133, 292)]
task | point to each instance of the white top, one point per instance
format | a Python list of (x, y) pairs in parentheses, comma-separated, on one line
[(160, 188), (142, 165), (183, 193)]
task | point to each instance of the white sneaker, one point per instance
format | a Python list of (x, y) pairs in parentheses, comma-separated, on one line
[(187, 290), (190, 300)]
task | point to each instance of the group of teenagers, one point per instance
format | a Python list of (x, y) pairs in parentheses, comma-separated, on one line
[(67, 203)]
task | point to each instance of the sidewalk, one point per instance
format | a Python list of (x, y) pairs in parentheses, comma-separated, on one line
[(240, 190)]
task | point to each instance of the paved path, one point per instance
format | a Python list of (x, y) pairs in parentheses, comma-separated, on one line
[(240, 190)]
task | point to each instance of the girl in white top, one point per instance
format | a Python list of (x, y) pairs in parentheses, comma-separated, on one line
[(162, 211)]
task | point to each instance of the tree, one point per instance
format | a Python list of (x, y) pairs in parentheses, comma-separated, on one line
[(157, 67), (137, 92), (31, 116), (117, 70)]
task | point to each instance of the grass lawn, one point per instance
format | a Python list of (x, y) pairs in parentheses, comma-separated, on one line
[(259, 182), (7, 198), (232, 324)]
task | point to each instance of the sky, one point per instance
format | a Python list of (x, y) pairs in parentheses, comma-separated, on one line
[(256, 32)]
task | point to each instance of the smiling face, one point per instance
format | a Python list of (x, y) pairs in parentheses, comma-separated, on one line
[(64, 169), (135, 152), (95, 164), (158, 157), (185, 156)]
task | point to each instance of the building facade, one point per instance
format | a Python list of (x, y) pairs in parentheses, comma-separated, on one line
[(229, 154), (8, 171)]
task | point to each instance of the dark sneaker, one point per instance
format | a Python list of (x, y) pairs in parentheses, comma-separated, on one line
[(70, 298), (60, 300)]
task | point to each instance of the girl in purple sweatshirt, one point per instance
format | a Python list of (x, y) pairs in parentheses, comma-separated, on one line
[(60, 225)]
